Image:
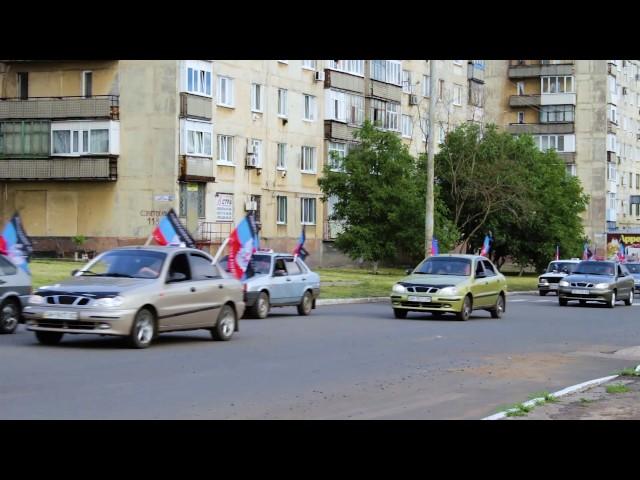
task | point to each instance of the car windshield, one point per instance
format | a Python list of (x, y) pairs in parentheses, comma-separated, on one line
[(566, 267), (445, 266), (258, 265), (633, 267), (595, 268), (126, 263)]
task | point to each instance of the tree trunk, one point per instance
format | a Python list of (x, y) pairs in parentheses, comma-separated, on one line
[(521, 271), (375, 267)]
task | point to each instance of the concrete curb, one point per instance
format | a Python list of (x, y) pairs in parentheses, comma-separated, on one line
[(558, 394), (344, 301)]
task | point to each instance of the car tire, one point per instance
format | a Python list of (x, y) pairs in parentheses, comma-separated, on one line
[(305, 304), (467, 307), (542, 294), (9, 316), (225, 325), (629, 301), (562, 301), (499, 309), (612, 300), (400, 313), (261, 308), (49, 338), (143, 330)]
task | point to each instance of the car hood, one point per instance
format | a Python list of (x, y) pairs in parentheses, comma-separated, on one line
[(552, 275), (434, 280), (636, 276), (589, 278), (90, 284)]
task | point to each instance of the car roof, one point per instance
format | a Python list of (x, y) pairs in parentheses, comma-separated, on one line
[(567, 261), (459, 255), (158, 248)]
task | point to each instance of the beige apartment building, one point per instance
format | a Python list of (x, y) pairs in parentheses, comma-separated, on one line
[(589, 112), (103, 149)]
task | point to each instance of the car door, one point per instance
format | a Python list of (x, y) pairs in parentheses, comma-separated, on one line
[(625, 281), (297, 275), (480, 286), (493, 280), (176, 302), (208, 290), (280, 281)]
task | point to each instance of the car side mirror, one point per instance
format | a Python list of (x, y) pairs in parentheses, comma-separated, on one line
[(176, 277), (73, 272), (409, 271)]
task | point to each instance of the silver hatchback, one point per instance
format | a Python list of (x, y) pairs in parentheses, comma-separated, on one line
[(15, 288)]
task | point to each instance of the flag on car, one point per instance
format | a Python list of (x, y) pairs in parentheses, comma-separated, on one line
[(300, 250), (243, 242), (434, 247), (557, 252), (486, 246), (15, 244), (171, 232), (586, 254), (621, 251)]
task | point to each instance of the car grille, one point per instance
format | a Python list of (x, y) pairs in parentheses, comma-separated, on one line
[(421, 304), (413, 288), (67, 300), (553, 279), (67, 324), (582, 284)]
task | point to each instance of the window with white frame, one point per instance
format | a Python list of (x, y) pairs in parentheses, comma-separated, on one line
[(558, 84), (309, 107), (571, 169), (225, 91), (224, 207), (520, 117), (612, 143), (613, 114), (198, 78), (309, 64), (281, 157), (426, 85), (355, 109), (354, 67), (308, 159), (283, 110), (385, 114), (520, 88), (84, 138), (256, 147), (336, 106), (281, 210), (225, 149), (557, 113), (441, 89), (308, 211), (196, 138), (560, 143), (256, 97), (406, 82), (407, 126), (457, 94), (388, 71), (612, 172), (337, 151)]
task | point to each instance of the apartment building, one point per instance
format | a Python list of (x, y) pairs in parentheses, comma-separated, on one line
[(589, 112)]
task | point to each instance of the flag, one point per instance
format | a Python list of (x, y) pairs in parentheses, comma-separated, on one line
[(486, 246), (621, 251), (586, 254), (243, 242), (434, 247), (171, 232), (300, 250), (557, 252), (15, 244)]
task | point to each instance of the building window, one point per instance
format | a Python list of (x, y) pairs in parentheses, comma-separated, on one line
[(281, 163), (199, 81), (520, 88), (355, 109), (256, 147), (440, 89), (560, 143), (385, 114), (388, 71), (225, 91), (457, 94), (308, 160), (224, 207), (87, 84), (557, 113), (309, 107), (612, 172), (406, 82), (256, 97), (613, 114), (308, 211), (256, 213), (336, 106), (571, 169), (79, 138), (196, 138), (557, 84), (23, 85), (355, 67), (442, 134), (25, 138), (225, 149), (281, 210), (202, 193), (282, 103), (520, 117), (637, 181), (407, 126), (426, 85), (309, 64), (337, 151)]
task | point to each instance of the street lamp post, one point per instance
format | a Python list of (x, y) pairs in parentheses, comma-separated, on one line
[(430, 160)]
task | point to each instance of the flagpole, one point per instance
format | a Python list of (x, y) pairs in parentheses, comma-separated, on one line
[(148, 240), (220, 250)]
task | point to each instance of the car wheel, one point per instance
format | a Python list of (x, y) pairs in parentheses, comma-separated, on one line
[(143, 329), (261, 307), (464, 314), (612, 300), (226, 324), (9, 316), (305, 305), (400, 313), (629, 301), (562, 301), (498, 310), (542, 294), (49, 338)]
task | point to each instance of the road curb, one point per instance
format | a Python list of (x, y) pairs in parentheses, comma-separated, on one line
[(343, 301), (558, 394)]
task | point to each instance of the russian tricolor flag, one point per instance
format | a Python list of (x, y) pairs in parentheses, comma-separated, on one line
[(171, 232), (243, 242), (15, 244)]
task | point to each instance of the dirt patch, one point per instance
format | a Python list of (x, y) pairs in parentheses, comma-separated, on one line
[(532, 366)]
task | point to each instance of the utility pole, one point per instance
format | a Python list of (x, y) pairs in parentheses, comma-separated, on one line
[(431, 145)]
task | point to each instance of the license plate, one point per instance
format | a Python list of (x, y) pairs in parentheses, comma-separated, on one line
[(553, 286), (580, 292), (57, 315), (420, 299)]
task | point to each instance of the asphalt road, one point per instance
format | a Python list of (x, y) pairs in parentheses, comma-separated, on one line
[(341, 362)]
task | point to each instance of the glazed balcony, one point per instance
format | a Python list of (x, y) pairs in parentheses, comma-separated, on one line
[(99, 106)]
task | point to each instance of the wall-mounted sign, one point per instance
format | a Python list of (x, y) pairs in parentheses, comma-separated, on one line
[(164, 198)]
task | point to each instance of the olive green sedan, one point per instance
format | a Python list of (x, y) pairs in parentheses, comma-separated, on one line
[(457, 284)]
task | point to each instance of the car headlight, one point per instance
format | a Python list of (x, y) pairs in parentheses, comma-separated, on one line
[(448, 291), (563, 283), (601, 285), (36, 300), (108, 302), (397, 288), (544, 280)]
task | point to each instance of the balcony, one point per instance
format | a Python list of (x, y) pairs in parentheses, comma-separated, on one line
[(524, 100), (195, 106), (538, 70), (339, 131), (343, 81), (102, 106), (475, 73), (558, 99), (88, 168), (612, 186), (540, 128), (383, 90), (567, 157), (196, 169)]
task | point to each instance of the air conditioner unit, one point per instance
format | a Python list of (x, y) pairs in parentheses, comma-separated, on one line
[(319, 76), (252, 161), (251, 149), (251, 206), (413, 100)]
